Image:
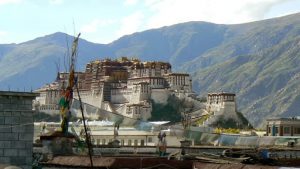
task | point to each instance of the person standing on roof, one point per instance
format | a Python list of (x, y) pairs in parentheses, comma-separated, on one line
[(162, 144)]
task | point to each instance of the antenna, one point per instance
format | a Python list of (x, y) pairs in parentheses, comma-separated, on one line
[(74, 60), (74, 29), (66, 55)]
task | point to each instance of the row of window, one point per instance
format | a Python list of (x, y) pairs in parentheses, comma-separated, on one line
[(151, 71), (144, 89), (121, 91), (150, 81), (286, 130), (124, 142), (136, 109), (212, 98), (178, 80), (53, 93), (48, 107)]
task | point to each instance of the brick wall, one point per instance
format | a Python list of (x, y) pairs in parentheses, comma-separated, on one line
[(16, 128)]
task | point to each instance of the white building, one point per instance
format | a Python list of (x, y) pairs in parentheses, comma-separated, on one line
[(222, 103), (121, 86), (283, 126)]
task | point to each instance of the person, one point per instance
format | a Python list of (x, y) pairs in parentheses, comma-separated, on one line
[(162, 144), (116, 133), (161, 136)]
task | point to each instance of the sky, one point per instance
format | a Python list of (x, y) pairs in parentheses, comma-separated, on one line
[(103, 21)]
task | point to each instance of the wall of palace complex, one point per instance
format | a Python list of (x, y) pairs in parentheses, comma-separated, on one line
[(127, 87)]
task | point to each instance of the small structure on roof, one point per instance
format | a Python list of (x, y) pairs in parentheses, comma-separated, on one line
[(58, 143)]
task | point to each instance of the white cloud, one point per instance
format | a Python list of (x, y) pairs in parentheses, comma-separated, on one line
[(130, 2), (95, 25), (56, 2), (4, 2), (168, 12), (151, 2), (3, 33), (3, 36), (131, 24)]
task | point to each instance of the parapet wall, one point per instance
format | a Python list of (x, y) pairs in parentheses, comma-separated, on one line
[(16, 128)]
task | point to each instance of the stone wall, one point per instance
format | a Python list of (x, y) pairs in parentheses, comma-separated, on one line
[(160, 96), (16, 128)]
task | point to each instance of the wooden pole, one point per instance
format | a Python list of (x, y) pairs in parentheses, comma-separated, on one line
[(87, 137)]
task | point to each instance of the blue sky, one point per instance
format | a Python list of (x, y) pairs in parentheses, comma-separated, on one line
[(103, 21)]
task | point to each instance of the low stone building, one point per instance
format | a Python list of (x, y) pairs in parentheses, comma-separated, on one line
[(16, 128), (283, 126)]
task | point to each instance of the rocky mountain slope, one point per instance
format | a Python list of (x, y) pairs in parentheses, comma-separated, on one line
[(258, 61)]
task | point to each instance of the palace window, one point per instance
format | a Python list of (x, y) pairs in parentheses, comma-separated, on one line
[(276, 130), (286, 130), (135, 142), (150, 140), (297, 131), (142, 142)]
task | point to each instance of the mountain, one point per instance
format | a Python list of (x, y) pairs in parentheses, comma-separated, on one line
[(266, 83), (258, 60), (29, 65)]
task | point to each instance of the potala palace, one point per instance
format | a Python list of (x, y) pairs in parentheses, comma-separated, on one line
[(130, 87)]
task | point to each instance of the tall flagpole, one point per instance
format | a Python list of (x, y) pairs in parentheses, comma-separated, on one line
[(67, 96), (87, 136)]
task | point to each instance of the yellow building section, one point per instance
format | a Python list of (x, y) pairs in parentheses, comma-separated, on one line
[(118, 75), (131, 62), (96, 62), (123, 59), (157, 64)]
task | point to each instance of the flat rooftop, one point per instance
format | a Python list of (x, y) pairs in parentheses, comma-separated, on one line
[(15, 93), (297, 118)]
